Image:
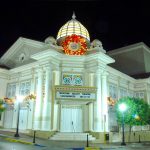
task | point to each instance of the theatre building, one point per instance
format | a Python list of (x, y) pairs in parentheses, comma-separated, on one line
[(68, 85)]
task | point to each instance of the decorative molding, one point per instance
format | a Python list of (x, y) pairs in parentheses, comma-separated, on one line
[(20, 44), (129, 48), (4, 74)]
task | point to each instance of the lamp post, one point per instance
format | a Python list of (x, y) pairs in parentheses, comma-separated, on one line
[(123, 108), (19, 99)]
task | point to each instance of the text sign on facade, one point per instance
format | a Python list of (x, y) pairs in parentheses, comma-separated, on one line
[(70, 92), (74, 95)]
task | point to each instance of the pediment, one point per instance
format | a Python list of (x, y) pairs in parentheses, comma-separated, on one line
[(19, 53)]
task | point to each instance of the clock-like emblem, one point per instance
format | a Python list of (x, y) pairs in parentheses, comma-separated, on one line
[(74, 45)]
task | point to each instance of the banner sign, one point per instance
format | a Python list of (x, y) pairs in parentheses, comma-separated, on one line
[(75, 92)]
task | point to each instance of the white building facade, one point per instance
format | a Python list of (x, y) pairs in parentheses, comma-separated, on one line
[(71, 89)]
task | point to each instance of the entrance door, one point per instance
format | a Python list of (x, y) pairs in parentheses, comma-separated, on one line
[(8, 118), (23, 119), (71, 119)]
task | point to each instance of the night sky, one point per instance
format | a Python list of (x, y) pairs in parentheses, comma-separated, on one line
[(116, 24)]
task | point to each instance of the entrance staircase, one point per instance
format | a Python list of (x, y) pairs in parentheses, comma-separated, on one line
[(74, 136)]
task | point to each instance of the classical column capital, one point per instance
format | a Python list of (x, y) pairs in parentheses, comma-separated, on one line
[(99, 71), (48, 67), (105, 74), (39, 70)]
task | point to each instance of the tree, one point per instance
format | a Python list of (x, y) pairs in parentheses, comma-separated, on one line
[(2, 105), (137, 113)]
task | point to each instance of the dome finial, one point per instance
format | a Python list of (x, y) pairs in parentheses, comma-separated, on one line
[(73, 15)]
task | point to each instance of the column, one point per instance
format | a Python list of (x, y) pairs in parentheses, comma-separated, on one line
[(54, 115), (118, 87), (97, 104), (38, 104), (104, 101), (91, 105), (128, 90), (31, 107), (15, 112), (46, 114), (148, 93)]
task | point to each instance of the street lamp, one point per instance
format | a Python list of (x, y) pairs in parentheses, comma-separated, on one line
[(19, 100), (123, 108)]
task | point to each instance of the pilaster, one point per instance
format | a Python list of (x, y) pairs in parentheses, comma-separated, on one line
[(39, 98), (54, 111), (98, 104), (46, 114), (104, 101)]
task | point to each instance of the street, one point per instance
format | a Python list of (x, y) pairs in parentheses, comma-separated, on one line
[(17, 144)]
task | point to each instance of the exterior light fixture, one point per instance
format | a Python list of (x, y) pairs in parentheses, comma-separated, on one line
[(19, 101), (122, 109)]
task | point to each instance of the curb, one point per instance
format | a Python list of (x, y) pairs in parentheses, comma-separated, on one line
[(7, 138), (23, 142), (19, 141)]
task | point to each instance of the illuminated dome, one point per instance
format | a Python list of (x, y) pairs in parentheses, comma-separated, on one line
[(73, 27)]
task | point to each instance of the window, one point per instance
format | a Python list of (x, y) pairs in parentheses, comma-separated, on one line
[(139, 95), (11, 90), (131, 94), (113, 91), (25, 88), (123, 92)]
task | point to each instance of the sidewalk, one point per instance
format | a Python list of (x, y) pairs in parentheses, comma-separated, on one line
[(24, 139), (8, 134)]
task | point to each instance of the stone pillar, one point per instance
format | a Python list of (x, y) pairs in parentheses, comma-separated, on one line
[(128, 90), (148, 93), (46, 117), (118, 88), (30, 124), (54, 116), (104, 102), (15, 113), (91, 79), (39, 98), (91, 117), (91, 105), (98, 104)]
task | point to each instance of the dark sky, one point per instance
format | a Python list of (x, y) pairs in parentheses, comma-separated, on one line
[(116, 24)]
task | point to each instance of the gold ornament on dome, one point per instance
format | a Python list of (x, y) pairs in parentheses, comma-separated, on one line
[(74, 45)]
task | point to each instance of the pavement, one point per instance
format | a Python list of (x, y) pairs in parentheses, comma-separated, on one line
[(70, 145)]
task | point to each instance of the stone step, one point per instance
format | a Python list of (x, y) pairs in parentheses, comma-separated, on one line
[(74, 133), (61, 136)]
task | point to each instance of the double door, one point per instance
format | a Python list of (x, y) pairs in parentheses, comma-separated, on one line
[(8, 119), (71, 119), (23, 119)]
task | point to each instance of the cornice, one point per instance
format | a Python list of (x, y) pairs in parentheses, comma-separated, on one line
[(51, 53), (4, 73), (128, 48), (24, 67), (120, 74)]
